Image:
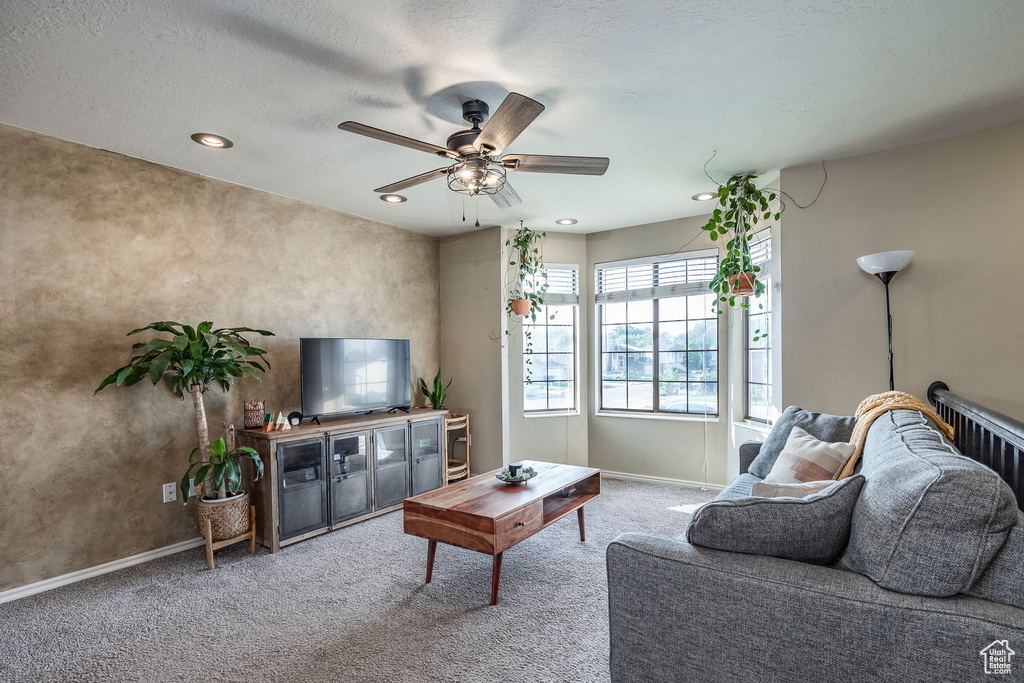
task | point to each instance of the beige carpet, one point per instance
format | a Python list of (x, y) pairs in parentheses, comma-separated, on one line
[(347, 606)]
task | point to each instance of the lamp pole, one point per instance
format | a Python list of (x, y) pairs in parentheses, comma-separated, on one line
[(886, 278)]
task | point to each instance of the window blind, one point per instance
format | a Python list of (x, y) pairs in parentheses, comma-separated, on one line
[(563, 284), (761, 247), (656, 277)]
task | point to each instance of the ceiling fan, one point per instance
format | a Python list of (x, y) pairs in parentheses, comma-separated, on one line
[(476, 163)]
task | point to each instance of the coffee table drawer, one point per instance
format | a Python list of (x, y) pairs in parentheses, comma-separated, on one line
[(516, 526)]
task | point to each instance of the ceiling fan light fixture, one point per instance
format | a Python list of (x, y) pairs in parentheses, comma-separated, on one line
[(393, 198), (567, 221), (704, 196), (476, 176), (212, 141)]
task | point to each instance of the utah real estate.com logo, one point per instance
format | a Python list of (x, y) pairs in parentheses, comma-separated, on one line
[(996, 657)]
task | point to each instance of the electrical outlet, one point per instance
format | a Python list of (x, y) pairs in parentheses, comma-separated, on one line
[(170, 493)]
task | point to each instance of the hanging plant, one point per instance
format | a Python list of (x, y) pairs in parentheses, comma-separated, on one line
[(740, 206), (526, 282)]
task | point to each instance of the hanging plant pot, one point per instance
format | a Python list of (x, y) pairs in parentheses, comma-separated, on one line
[(521, 306), (741, 284)]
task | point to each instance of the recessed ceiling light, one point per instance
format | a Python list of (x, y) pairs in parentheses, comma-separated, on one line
[(211, 140), (567, 221), (704, 196), (393, 198)]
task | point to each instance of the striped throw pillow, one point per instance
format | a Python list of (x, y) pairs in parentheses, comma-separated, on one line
[(805, 458)]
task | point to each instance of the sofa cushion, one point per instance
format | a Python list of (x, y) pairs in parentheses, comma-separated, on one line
[(805, 458), (1003, 581), (929, 520), (800, 489), (813, 529), (819, 425), (738, 487)]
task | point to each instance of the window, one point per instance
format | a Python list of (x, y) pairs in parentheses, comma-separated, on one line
[(549, 373), (658, 341), (757, 344)]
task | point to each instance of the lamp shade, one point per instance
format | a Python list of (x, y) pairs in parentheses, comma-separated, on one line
[(885, 262)]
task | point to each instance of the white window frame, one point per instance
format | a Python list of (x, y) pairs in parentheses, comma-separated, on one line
[(668, 280), (761, 255), (559, 293)]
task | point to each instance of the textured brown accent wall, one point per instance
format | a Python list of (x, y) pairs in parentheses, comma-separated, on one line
[(94, 244)]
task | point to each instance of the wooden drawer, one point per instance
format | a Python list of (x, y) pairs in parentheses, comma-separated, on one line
[(515, 526)]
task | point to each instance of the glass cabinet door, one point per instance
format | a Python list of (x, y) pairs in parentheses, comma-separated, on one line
[(350, 480), (348, 453), (390, 466), (426, 438), (302, 486), (426, 456)]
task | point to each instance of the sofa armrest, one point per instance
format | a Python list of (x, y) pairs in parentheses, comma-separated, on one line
[(678, 612), (748, 451)]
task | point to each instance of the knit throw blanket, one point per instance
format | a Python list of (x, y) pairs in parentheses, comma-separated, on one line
[(874, 406)]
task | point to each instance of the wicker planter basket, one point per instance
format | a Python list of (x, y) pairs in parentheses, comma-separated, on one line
[(228, 517)]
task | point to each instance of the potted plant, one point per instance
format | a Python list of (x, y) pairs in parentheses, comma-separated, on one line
[(436, 397), (193, 359), (526, 281), (228, 508), (741, 206)]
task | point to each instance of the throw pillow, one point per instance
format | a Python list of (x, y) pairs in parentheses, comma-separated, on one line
[(805, 458), (813, 529), (801, 489), (822, 426)]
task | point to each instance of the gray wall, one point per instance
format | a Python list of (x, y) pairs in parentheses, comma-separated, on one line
[(957, 310), (471, 315), (674, 448), (94, 244), (560, 437)]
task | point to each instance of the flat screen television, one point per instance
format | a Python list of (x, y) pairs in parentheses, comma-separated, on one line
[(342, 376)]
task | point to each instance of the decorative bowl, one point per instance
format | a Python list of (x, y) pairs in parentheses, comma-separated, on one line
[(528, 473)]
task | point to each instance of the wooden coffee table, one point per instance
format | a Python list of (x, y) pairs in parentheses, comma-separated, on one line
[(488, 516)]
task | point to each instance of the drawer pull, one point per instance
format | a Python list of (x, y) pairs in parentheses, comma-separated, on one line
[(521, 524)]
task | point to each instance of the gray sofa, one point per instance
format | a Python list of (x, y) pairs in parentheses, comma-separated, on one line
[(941, 532)]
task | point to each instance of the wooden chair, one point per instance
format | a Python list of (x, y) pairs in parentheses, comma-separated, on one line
[(456, 469)]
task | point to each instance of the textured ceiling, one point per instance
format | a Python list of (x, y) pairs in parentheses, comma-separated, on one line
[(655, 86)]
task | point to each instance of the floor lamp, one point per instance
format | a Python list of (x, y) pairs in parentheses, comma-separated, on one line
[(884, 266)]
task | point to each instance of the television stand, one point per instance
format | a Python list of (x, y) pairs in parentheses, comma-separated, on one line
[(404, 409), (316, 420)]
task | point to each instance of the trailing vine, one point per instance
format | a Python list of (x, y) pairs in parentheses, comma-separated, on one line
[(740, 206), (526, 281)]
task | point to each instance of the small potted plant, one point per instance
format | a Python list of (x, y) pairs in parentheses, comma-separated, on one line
[(741, 206), (436, 397), (228, 507)]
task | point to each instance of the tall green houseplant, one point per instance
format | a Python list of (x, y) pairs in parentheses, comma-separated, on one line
[(193, 359), (740, 206)]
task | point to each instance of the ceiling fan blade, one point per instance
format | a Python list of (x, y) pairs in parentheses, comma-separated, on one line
[(415, 180), (541, 163), (513, 116), (395, 139), (506, 197)]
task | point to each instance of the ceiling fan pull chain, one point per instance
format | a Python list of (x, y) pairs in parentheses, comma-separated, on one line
[(463, 209), (477, 215)]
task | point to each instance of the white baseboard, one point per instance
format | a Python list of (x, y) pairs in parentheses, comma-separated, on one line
[(662, 480), (106, 568)]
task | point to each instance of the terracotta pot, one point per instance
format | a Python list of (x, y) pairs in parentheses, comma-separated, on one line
[(229, 517), (521, 306), (741, 284)]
